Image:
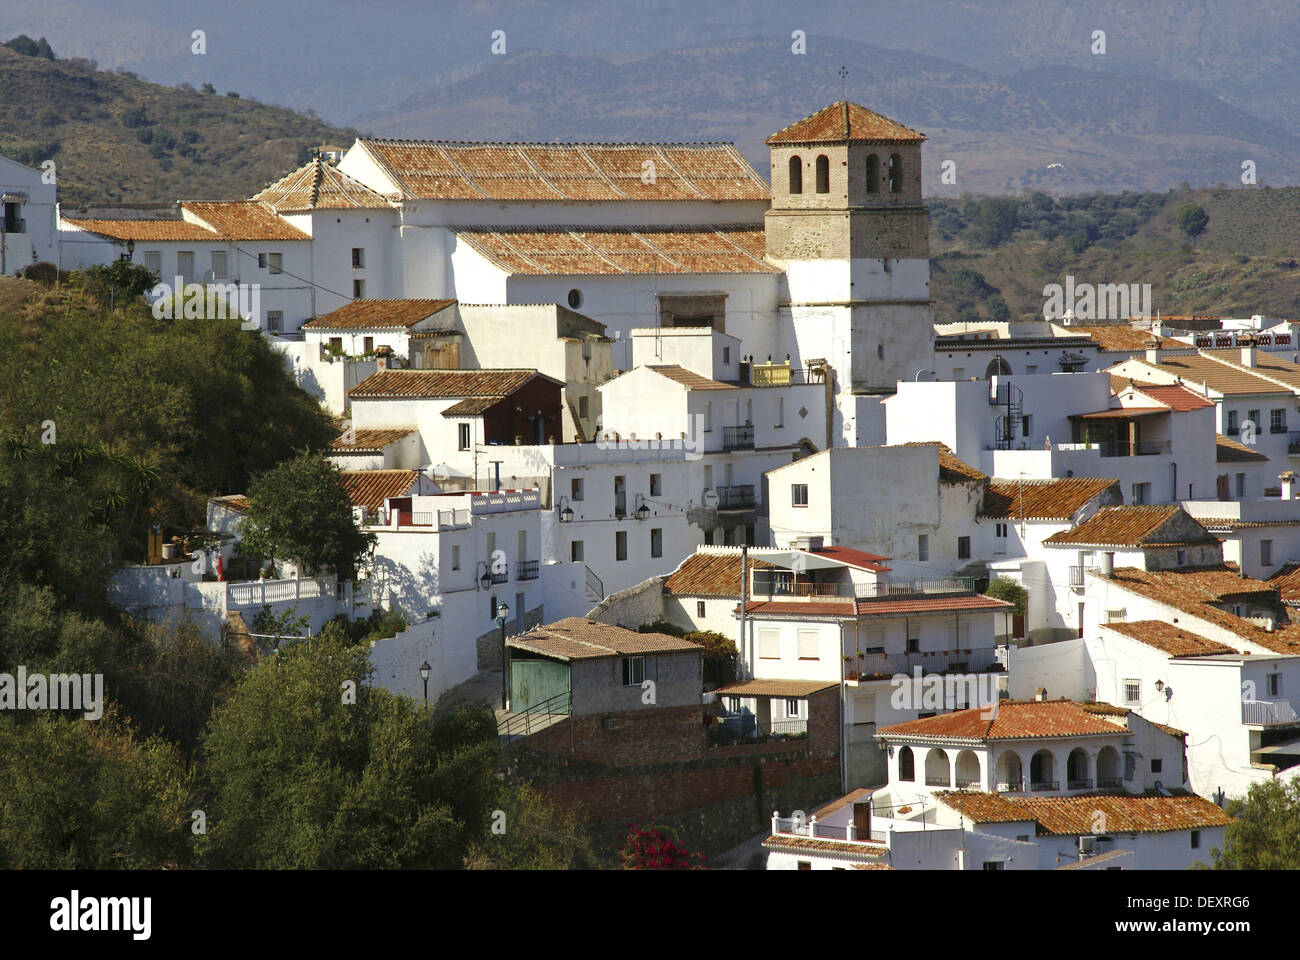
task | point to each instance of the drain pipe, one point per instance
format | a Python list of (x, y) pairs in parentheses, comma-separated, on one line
[(744, 591)]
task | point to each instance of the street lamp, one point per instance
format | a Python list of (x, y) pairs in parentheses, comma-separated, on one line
[(425, 670), (503, 611)]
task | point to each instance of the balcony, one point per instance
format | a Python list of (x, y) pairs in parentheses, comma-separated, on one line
[(1140, 448), (1011, 786), (966, 783), (738, 438), (937, 782), (739, 497), (495, 577), (1293, 443), (745, 728), (526, 569), (1268, 713), (1110, 783), (1044, 786), (1083, 784), (874, 666)]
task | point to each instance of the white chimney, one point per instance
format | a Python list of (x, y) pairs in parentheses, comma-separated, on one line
[(1247, 344), (1288, 484), (1107, 565), (1153, 350)]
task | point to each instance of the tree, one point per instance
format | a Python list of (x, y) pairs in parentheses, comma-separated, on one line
[(719, 655), (1192, 220), (1265, 834), (118, 282), (1004, 588), (996, 220), (299, 510)]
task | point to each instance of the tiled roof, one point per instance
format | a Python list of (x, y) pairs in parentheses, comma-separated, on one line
[(1076, 815), (848, 848), (844, 120), (442, 170), (235, 501), (710, 575), (1195, 591), (244, 220), (1221, 377), (370, 488), (952, 469), (1129, 526), (471, 406), (1169, 638), (854, 558), (369, 441), (1014, 720), (576, 638), (1042, 499), (1287, 581), (689, 378), (1122, 338), (1172, 731), (377, 314), (852, 797), (775, 688), (1176, 398), (568, 251), (145, 230), (848, 608), (319, 186), (1094, 859), (442, 383), (1266, 364), (1230, 451)]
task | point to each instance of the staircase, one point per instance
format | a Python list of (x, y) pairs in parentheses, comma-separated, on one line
[(595, 586), (1011, 397), (512, 726)]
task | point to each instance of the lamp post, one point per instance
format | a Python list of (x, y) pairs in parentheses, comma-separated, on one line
[(425, 670), (503, 611)]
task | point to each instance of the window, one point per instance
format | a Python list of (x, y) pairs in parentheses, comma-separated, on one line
[(1266, 553), (463, 430), (1277, 421), (633, 671), (274, 263), (1182, 557), (1232, 428), (823, 174), (185, 265), (963, 548), (656, 484), (1275, 684), (1195, 836), (575, 488), (656, 542), (1253, 417), (358, 257), (805, 864), (796, 175), (726, 354), (808, 644), (959, 373), (780, 411), (336, 344), (993, 865), (1132, 691), (1027, 421), (913, 638), (708, 537), (895, 173), (575, 551), (708, 418), (1000, 531), (1241, 484), (620, 545), (575, 298), (1157, 765), (923, 547), (1141, 493), (492, 607), (798, 494), (367, 344), (455, 556), (358, 289), (792, 709), (583, 408), (220, 268), (1031, 368), (906, 765), (769, 644), (275, 320), (873, 174), (699, 608), (153, 262)]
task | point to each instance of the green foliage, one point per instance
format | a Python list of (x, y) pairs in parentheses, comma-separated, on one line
[(299, 510), (117, 283), (135, 116), (30, 48), (1192, 219), (1266, 832), (662, 626), (719, 656), (84, 795), (996, 219), (273, 627), (1004, 588), (648, 846)]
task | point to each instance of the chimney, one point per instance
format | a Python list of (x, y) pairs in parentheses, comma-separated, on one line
[(1288, 484), (1153, 350), (1107, 566), (383, 357), (1247, 343)]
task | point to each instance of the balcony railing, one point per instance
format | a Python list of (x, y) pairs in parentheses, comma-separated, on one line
[(768, 584), (1293, 443), (1044, 786), (1142, 448), (738, 438), (502, 576), (1079, 784), (790, 827), (1078, 575), (1011, 786), (1110, 783), (938, 585), (873, 666), (938, 782), (1264, 713), (965, 783), (739, 497), (526, 569), (745, 728)]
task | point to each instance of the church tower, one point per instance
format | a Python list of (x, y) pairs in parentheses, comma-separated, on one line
[(848, 225)]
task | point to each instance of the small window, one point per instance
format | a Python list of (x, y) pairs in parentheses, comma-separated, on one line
[(1182, 557), (799, 494), (633, 671), (796, 175), (1253, 417), (153, 262), (492, 607), (780, 412), (906, 765), (575, 298), (1195, 836), (583, 408), (1277, 421), (656, 484), (455, 556), (367, 344), (656, 542), (1157, 765), (275, 321), (873, 174), (913, 642), (358, 257), (1027, 421), (1274, 684), (1132, 691), (880, 351), (895, 173), (769, 644), (358, 289), (274, 263), (726, 354), (575, 551), (1000, 531), (823, 174), (575, 488), (923, 547), (463, 431), (792, 709), (220, 265), (708, 418), (994, 865), (699, 608), (185, 265), (808, 644), (1141, 493), (620, 545), (963, 548), (1232, 429), (1241, 484), (805, 864), (1266, 553)]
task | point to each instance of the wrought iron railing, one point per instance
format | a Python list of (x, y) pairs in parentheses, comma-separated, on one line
[(738, 497), (738, 438), (526, 569), (525, 721), (1044, 786)]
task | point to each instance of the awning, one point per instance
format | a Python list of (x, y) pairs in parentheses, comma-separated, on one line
[(1288, 747), (774, 688), (1128, 413)]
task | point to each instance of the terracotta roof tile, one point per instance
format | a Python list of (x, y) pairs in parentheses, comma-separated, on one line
[(442, 383), (710, 575), (848, 848), (377, 314), (1014, 720), (1287, 581), (844, 120), (145, 230), (319, 186), (1223, 378), (576, 638), (849, 608), (1043, 499), (1168, 638), (563, 251), (1230, 451), (369, 441), (1267, 364), (775, 688), (443, 170), (244, 220), (689, 378), (1075, 815), (1176, 398), (235, 501), (370, 488), (952, 469), (1132, 526), (854, 558), (1122, 338)]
